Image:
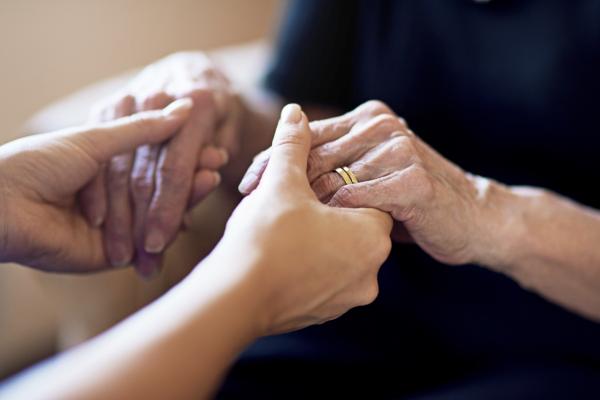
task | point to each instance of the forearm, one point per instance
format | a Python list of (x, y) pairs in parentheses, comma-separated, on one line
[(179, 347), (548, 244)]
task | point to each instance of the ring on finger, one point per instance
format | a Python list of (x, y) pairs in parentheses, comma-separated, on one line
[(347, 175)]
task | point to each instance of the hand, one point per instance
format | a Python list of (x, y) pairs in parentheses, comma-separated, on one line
[(314, 262), (150, 190), (40, 177), (433, 201)]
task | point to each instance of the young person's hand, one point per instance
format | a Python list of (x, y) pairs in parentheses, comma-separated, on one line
[(309, 262), (41, 176)]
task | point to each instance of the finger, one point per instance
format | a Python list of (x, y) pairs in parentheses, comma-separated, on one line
[(393, 155), (148, 265), (228, 133), (118, 236), (205, 181), (211, 157), (118, 241), (93, 198), (176, 167), (323, 131), (330, 129), (254, 173), (125, 134), (142, 189), (396, 193), (352, 146), (291, 145)]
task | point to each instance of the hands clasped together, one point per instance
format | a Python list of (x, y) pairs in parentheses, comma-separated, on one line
[(140, 198), (117, 192), (434, 203)]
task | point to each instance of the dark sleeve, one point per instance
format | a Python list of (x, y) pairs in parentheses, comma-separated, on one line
[(312, 62)]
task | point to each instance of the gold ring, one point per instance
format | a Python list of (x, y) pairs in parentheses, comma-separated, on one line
[(347, 175), (353, 177), (344, 176)]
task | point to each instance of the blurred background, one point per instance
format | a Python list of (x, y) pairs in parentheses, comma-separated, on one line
[(50, 49)]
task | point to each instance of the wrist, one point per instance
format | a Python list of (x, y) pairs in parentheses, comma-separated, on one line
[(501, 230), (225, 276)]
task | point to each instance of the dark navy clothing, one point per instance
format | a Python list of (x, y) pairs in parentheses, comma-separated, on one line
[(506, 89)]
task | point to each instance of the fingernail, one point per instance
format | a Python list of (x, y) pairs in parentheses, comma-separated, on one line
[(154, 242), (244, 185), (217, 178), (98, 221), (120, 256), (178, 107), (291, 113), (224, 155)]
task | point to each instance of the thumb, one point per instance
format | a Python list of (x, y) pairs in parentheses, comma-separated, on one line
[(291, 145), (106, 140)]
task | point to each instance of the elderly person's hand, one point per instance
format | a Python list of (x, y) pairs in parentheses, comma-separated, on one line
[(142, 197), (40, 177), (433, 201)]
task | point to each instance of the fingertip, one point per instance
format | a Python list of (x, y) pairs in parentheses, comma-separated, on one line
[(224, 155), (179, 108), (213, 158), (291, 114), (147, 266), (248, 183), (154, 242), (216, 178), (97, 221)]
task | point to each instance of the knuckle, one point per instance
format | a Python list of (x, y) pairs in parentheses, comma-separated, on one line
[(345, 196), (294, 137), (315, 161), (402, 123), (421, 181), (141, 188), (402, 147), (376, 107), (382, 125), (164, 217), (325, 185), (370, 293), (118, 177)]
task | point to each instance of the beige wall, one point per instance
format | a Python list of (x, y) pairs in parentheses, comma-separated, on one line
[(50, 48)]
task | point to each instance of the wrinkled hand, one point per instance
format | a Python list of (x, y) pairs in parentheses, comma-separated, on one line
[(315, 261), (40, 176), (434, 202), (142, 197)]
